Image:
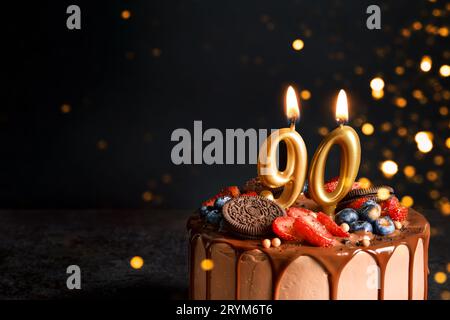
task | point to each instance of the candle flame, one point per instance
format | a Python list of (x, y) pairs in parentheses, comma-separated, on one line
[(342, 107), (292, 110)]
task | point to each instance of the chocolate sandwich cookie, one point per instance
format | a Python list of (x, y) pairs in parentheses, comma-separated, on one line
[(257, 186), (370, 193), (251, 217)]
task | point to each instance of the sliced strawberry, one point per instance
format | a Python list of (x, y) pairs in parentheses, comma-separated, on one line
[(250, 194), (311, 230), (232, 191), (357, 203), (331, 185), (296, 212), (390, 205), (284, 228), (331, 226), (399, 214)]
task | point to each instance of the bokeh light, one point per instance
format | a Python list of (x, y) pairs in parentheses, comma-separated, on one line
[(426, 63), (364, 182), (409, 171), (444, 70), (137, 262), (389, 168), (367, 129), (440, 277), (383, 193), (298, 44), (305, 94), (407, 201), (126, 14), (377, 84)]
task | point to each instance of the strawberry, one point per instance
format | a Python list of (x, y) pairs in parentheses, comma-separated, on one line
[(310, 229), (284, 228), (250, 194), (331, 185), (232, 191), (389, 205), (331, 226), (399, 214), (357, 203), (296, 212)]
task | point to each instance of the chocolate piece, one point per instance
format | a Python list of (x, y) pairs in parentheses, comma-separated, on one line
[(251, 216), (257, 186), (372, 191)]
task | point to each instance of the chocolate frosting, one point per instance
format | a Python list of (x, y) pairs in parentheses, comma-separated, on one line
[(333, 259)]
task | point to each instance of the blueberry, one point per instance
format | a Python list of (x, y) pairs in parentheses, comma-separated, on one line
[(220, 202), (361, 226), (204, 210), (214, 217), (305, 188), (347, 216), (384, 226), (370, 211)]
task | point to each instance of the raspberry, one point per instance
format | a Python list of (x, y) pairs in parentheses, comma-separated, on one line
[(399, 214)]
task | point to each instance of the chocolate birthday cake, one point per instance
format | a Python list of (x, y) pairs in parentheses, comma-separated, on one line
[(244, 246)]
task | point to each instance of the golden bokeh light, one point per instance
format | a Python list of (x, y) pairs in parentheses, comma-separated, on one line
[(447, 142), (102, 145), (377, 94), (401, 102), (367, 129), (443, 111), (443, 31), (389, 168), (445, 295), (445, 208), (440, 277), (402, 131), (417, 25), (383, 194), (438, 160), (444, 70), (305, 94), (147, 196), (409, 171), (386, 126), (323, 131), (137, 262), (298, 44), (126, 14), (400, 70), (432, 176), (364, 183), (426, 63), (434, 194), (377, 84), (207, 264), (66, 108), (407, 201)]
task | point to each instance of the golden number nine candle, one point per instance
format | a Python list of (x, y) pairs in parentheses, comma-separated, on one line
[(294, 175)]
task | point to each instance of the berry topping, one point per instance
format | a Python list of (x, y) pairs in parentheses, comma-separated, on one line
[(384, 226), (220, 202), (331, 185), (297, 212), (390, 205), (347, 216), (357, 203), (331, 226), (204, 210), (232, 191), (311, 230), (370, 211), (250, 194), (214, 217), (400, 214), (361, 226), (284, 228)]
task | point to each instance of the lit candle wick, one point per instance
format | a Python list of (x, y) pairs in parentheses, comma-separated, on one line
[(342, 108), (292, 109)]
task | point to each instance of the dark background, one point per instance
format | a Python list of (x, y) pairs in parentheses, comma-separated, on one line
[(130, 82), (86, 119)]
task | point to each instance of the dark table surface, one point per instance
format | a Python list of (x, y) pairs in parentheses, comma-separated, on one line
[(36, 247)]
